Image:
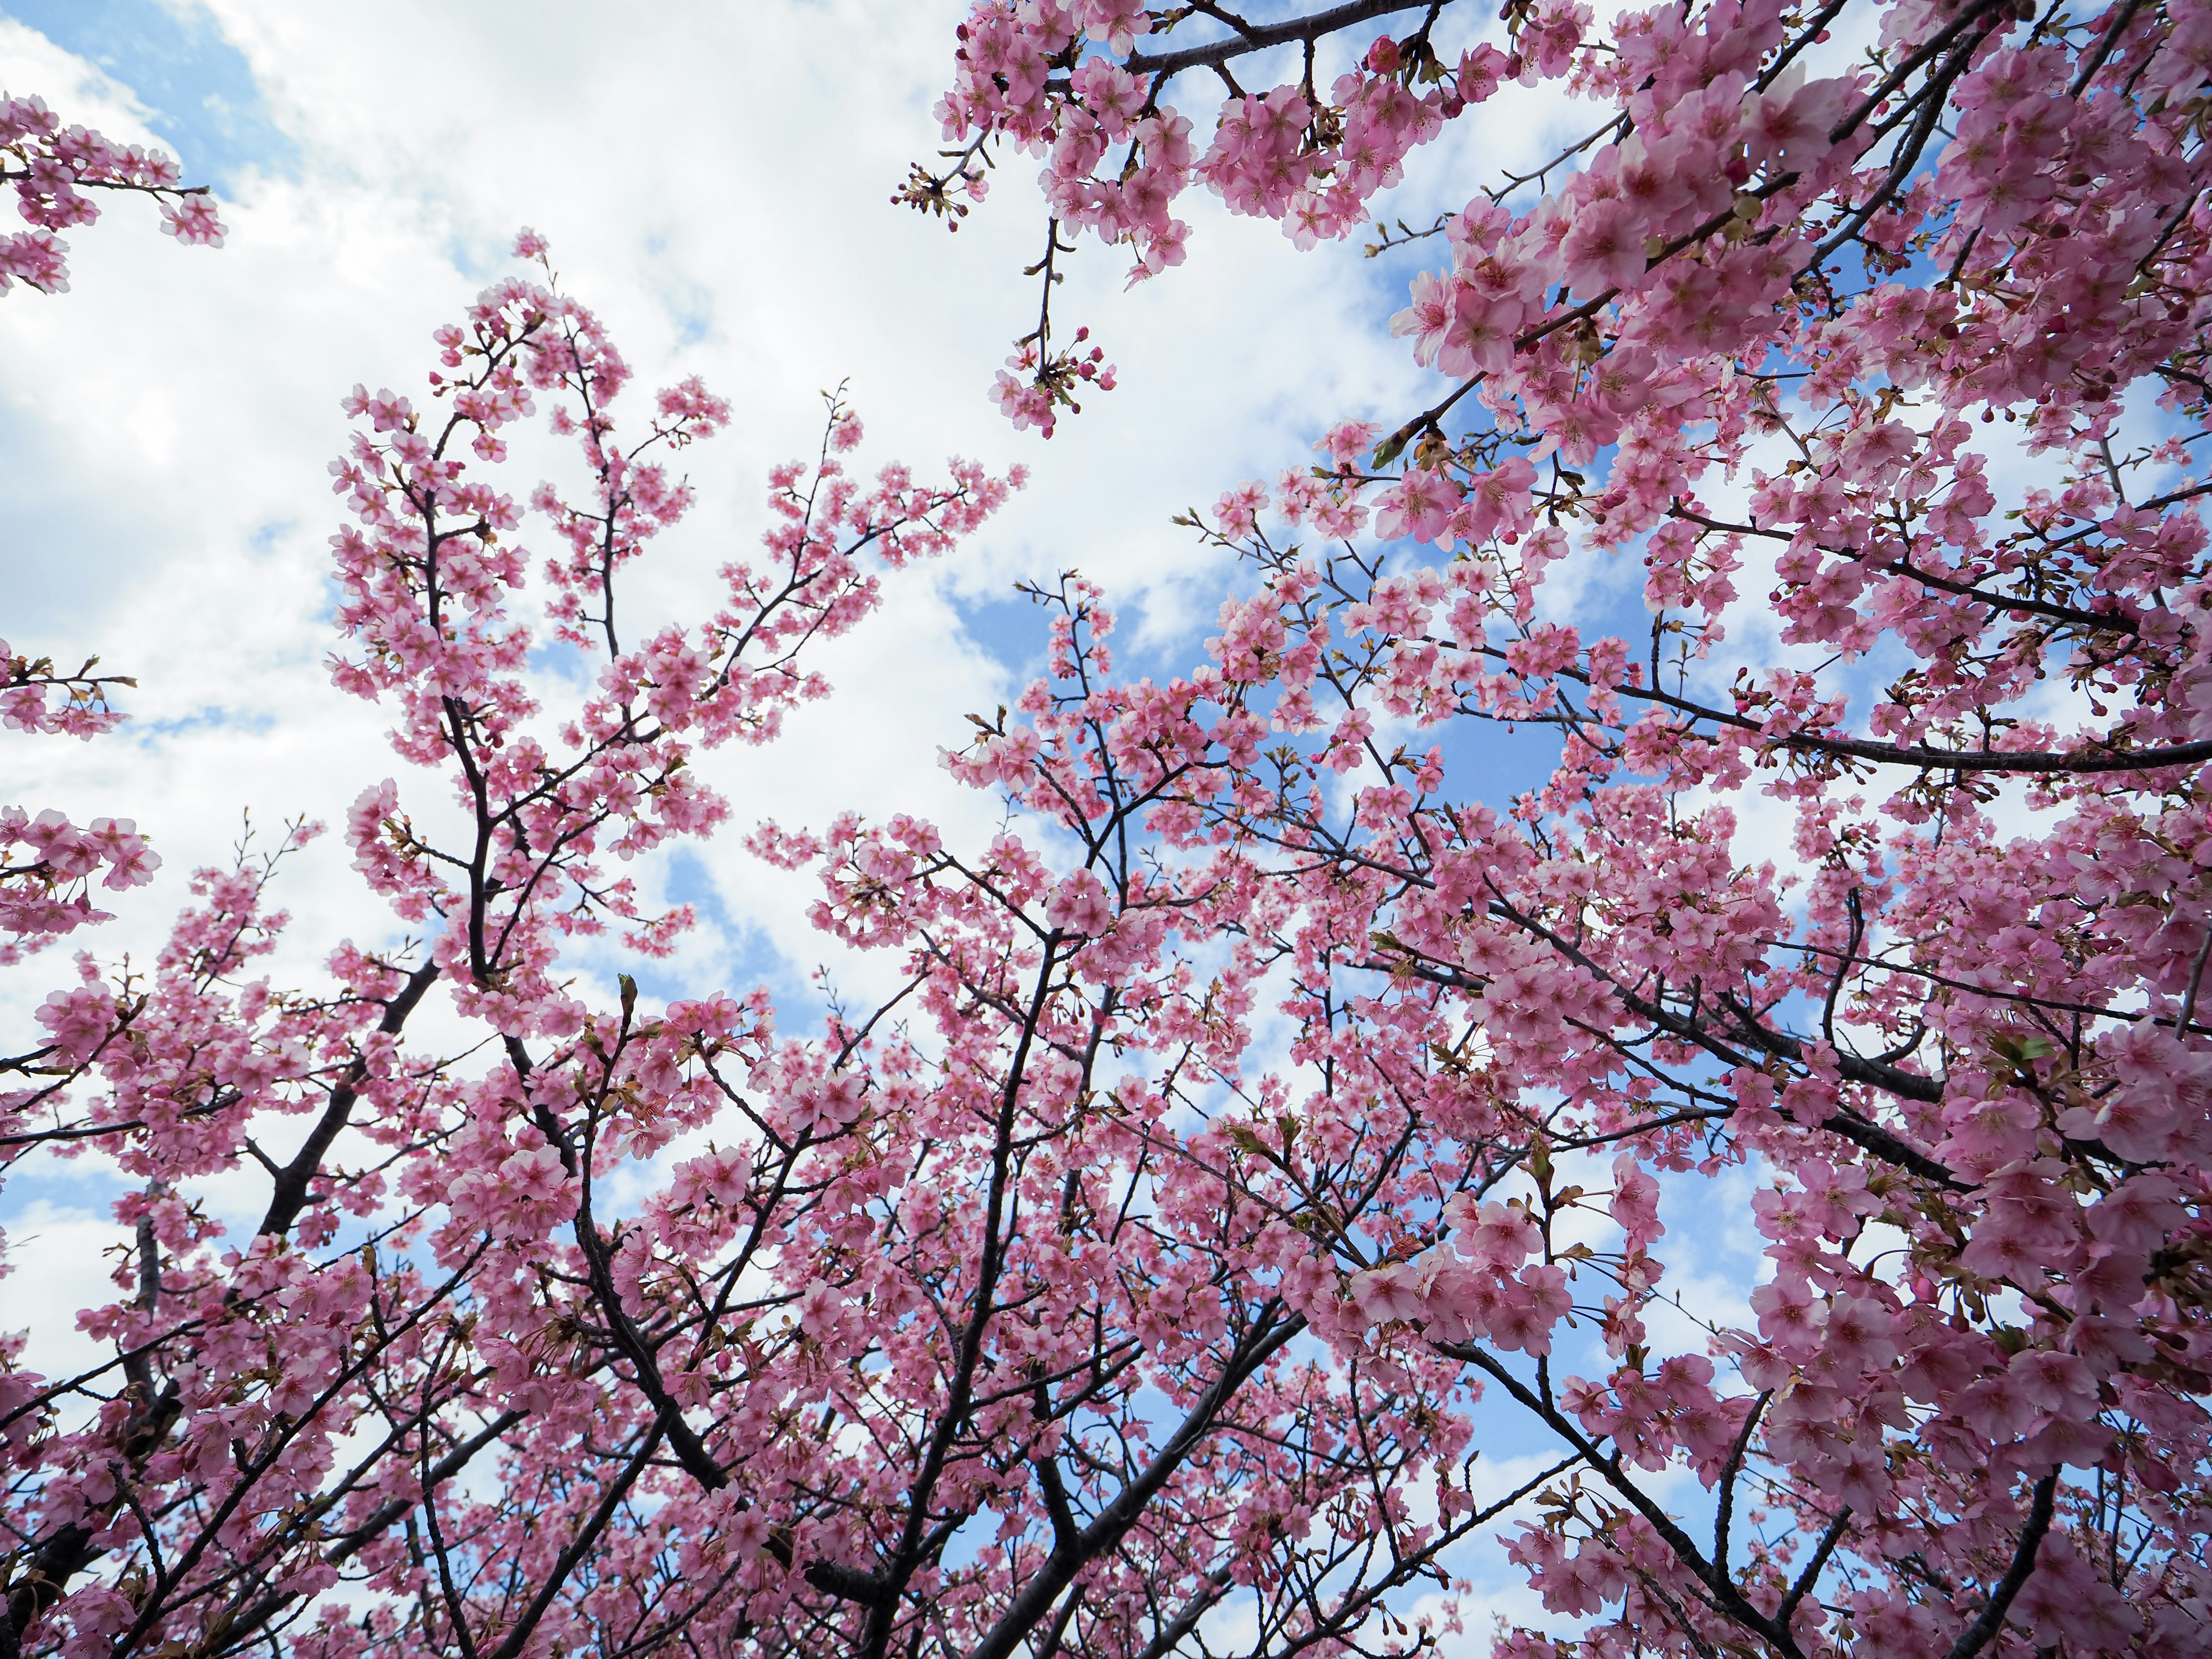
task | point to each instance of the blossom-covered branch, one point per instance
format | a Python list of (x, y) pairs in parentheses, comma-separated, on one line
[(53, 169), (1952, 1013)]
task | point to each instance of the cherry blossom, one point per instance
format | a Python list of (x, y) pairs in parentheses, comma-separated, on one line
[(47, 864), (53, 169), (1757, 331), (1278, 1113)]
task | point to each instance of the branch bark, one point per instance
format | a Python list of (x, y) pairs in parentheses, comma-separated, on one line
[(1265, 36), (1976, 1636)]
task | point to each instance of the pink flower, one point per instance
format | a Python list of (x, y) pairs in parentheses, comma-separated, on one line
[(1604, 247), (1529, 1307), (819, 1309), (1787, 1316), (1386, 1294), (1078, 904), (1237, 512), (747, 1532), (535, 1176), (1497, 1237), (78, 1021), (192, 221), (1419, 505)]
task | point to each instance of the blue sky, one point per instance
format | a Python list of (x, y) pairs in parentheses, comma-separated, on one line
[(173, 414), (371, 167), (198, 85)]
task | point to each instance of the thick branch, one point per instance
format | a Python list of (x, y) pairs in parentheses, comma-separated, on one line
[(1972, 1639), (294, 1179), (1036, 1600), (1727, 1598), (1259, 39)]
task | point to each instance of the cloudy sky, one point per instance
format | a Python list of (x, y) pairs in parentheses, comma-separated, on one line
[(714, 181)]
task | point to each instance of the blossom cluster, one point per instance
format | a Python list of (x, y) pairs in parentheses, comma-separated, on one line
[(1117, 157), (46, 867), (1277, 1112), (47, 864), (54, 166), (1978, 1047)]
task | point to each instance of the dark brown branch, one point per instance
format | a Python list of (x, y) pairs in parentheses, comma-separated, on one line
[(381, 1520), (1972, 1639), (1269, 35), (1890, 1080), (1811, 1575), (2095, 59), (578, 1547), (1719, 1583), (1035, 1602), (2042, 762), (294, 1181)]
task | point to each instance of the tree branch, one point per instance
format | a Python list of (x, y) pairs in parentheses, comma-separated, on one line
[(1260, 37)]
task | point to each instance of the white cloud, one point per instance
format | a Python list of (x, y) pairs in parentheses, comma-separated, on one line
[(58, 1261), (717, 188), (714, 185)]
